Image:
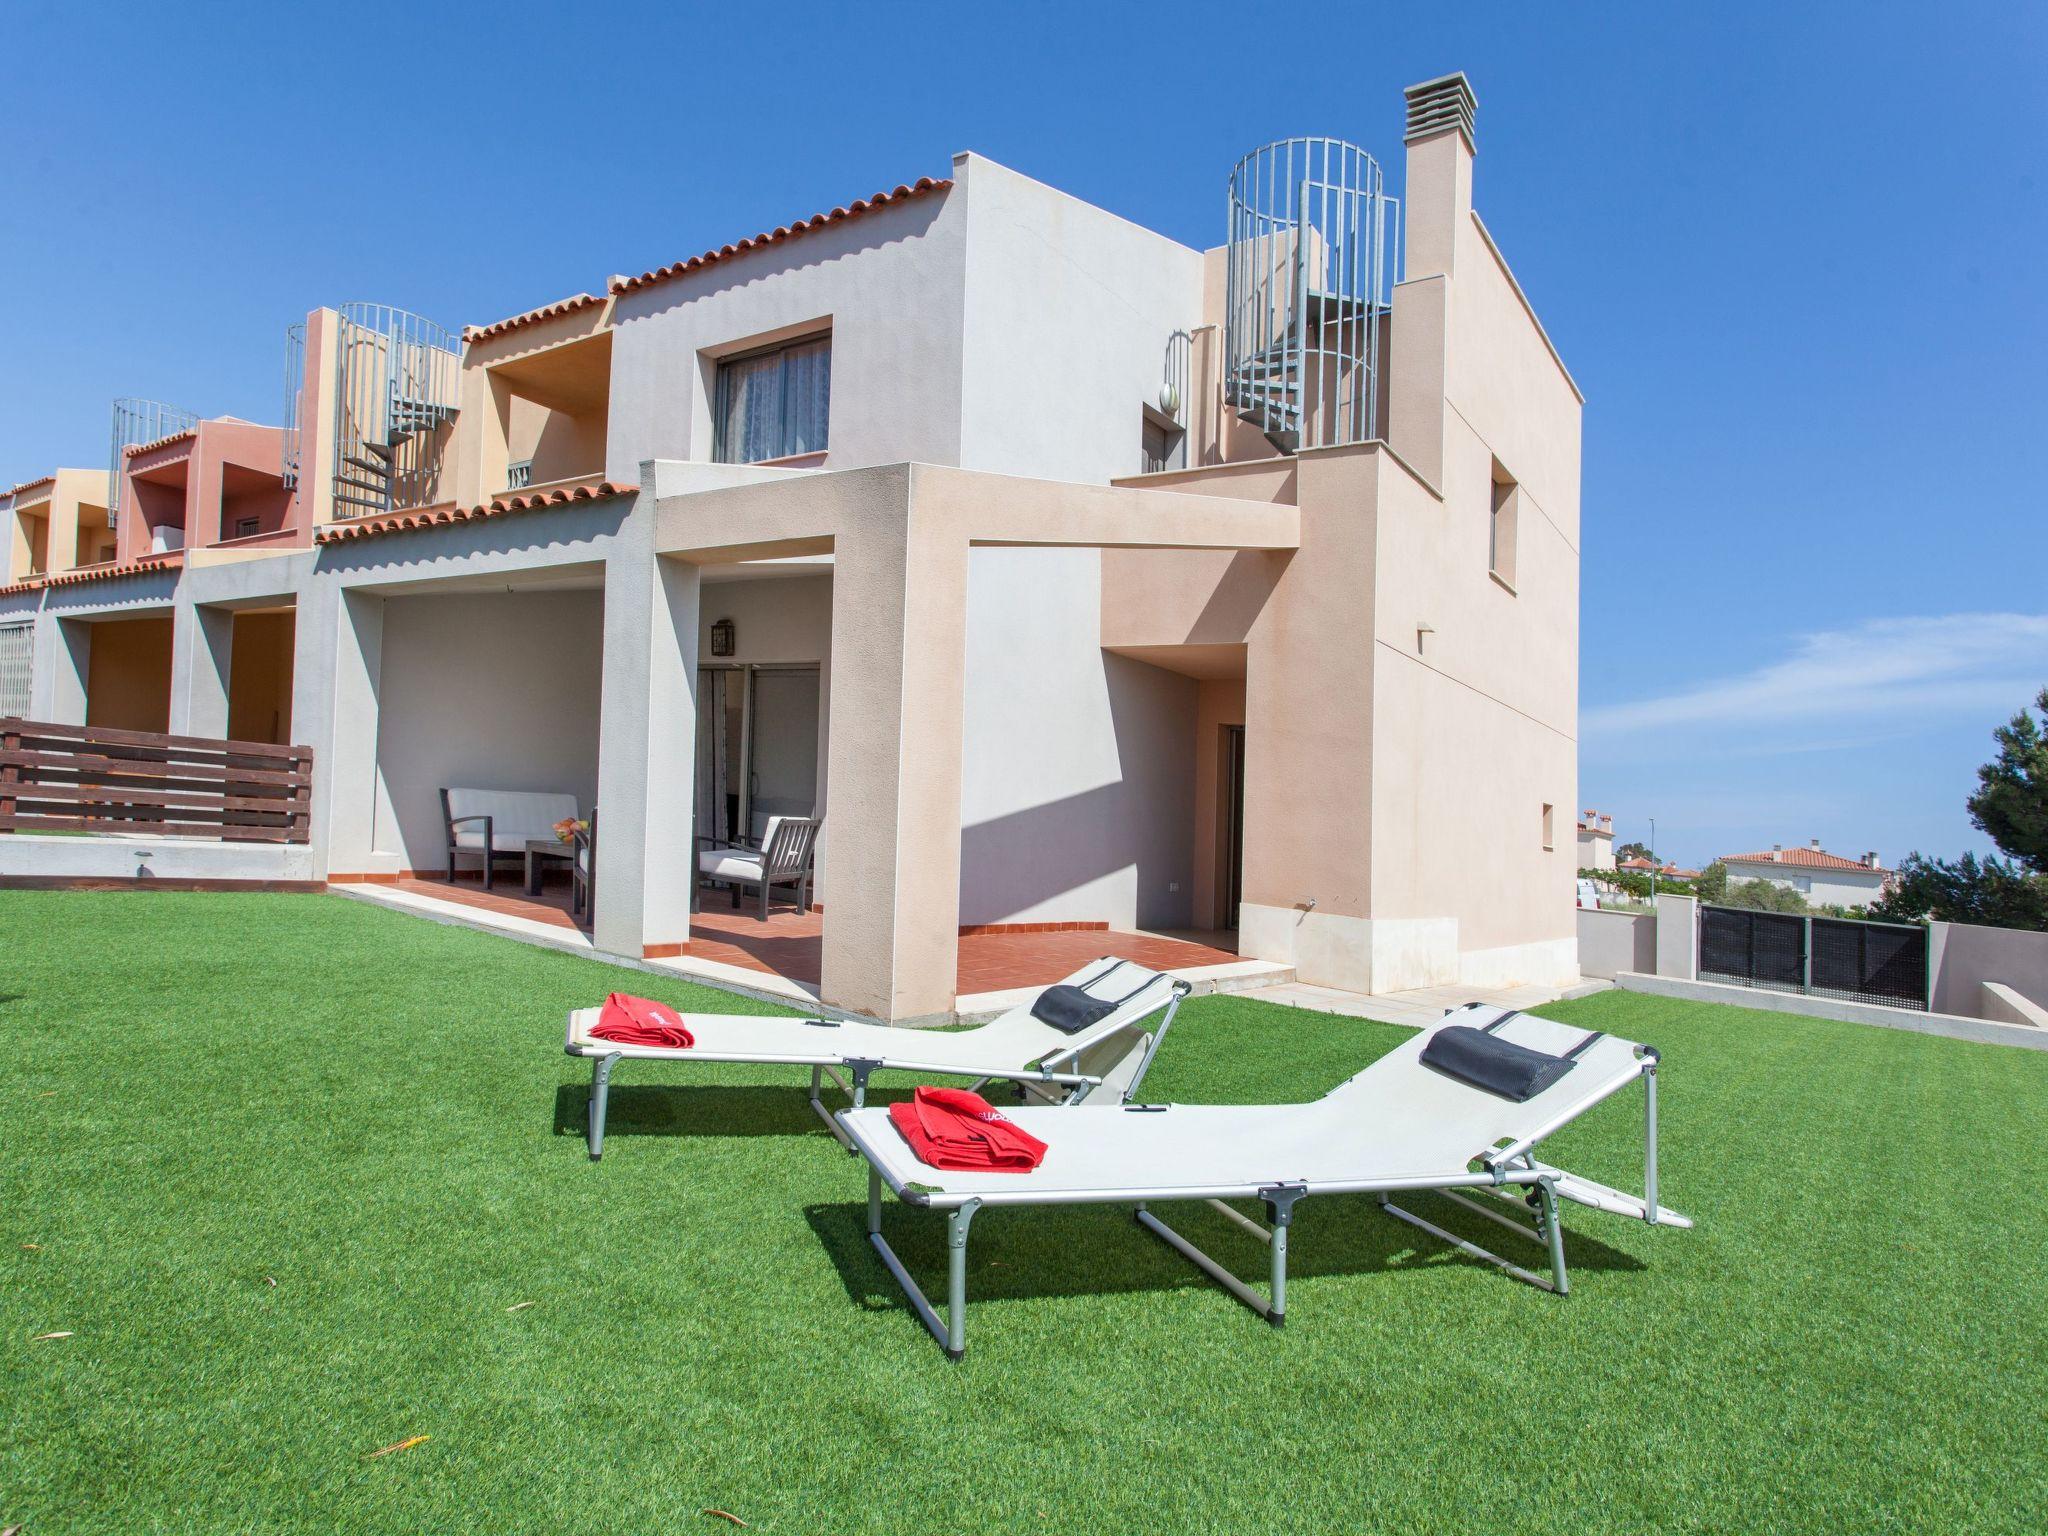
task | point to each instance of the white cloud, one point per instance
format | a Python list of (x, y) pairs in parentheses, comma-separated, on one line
[(1898, 670)]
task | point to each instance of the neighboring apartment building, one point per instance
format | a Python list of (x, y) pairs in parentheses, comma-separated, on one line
[(1596, 840), (1072, 574), (1824, 879), (57, 523)]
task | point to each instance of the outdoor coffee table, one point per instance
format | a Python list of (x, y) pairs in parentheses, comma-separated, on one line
[(538, 851)]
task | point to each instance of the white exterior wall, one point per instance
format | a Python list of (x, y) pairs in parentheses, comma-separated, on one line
[(1077, 785), (483, 691), (1820, 887), (1077, 770), (889, 285)]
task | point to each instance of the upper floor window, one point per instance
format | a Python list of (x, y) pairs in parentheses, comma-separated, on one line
[(1501, 530), (774, 404)]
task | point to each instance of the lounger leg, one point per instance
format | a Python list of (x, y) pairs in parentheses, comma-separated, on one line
[(956, 1278), (600, 1092), (1650, 1136), (819, 1109), (1548, 1232), (1281, 1214), (874, 1201), (1279, 1200), (1553, 1234)]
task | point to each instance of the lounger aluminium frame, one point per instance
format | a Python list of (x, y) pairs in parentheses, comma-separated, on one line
[(1395, 1128), (1108, 1059)]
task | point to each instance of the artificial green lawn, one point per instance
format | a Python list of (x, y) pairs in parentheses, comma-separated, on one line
[(203, 1094)]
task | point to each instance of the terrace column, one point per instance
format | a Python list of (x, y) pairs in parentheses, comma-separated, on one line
[(892, 924), (202, 641), (336, 676), (647, 752), (63, 668)]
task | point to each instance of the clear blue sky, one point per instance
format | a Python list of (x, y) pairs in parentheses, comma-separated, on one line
[(1792, 253)]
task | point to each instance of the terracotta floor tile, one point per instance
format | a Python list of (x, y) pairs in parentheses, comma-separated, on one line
[(791, 944)]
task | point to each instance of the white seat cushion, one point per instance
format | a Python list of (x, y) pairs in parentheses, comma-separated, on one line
[(517, 815), (729, 864), (472, 837)]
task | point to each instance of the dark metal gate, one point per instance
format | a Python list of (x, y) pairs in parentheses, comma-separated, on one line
[(1868, 962), (1825, 956)]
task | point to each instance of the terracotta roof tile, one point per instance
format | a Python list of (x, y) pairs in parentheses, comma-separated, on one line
[(567, 306), (434, 517), (776, 236), (1643, 867), (1804, 858), (133, 450), (29, 485), (142, 567)]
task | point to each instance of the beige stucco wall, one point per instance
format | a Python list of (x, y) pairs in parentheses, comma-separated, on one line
[(482, 691), (260, 677), (128, 684), (69, 519)]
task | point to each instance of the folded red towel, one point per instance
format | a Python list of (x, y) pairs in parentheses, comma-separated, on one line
[(955, 1128), (630, 1020)]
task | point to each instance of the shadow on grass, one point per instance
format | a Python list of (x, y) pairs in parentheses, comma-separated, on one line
[(700, 1109), (1098, 1250)]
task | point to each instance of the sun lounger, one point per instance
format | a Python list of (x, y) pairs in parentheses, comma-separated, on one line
[(1398, 1126), (1102, 1063)]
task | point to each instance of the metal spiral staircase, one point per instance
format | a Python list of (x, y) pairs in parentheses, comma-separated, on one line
[(1311, 264), (396, 387), (137, 422)]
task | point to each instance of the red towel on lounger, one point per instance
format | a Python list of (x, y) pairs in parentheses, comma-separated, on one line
[(630, 1020), (954, 1128)]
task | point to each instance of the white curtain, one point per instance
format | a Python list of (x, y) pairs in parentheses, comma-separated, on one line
[(775, 405)]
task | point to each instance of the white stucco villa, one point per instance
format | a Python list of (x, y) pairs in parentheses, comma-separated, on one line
[(1824, 879), (1070, 575)]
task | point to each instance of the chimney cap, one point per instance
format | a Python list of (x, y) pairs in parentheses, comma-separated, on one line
[(1443, 103)]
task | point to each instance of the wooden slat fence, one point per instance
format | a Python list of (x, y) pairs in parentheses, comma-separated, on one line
[(79, 778)]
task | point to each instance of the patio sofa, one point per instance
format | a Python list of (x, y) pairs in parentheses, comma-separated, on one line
[(494, 824)]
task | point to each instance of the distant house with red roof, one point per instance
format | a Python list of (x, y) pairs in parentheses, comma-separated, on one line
[(1824, 879), (1664, 871)]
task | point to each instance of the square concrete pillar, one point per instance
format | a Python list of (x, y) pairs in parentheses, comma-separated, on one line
[(647, 750), (63, 669), (202, 650), (1678, 937), (337, 672), (892, 924)]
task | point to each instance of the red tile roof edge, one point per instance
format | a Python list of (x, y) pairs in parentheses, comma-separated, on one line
[(568, 306), (434, 517), (134, 450), (142, 567), (1807, 858), (29, 485), (922, 186)]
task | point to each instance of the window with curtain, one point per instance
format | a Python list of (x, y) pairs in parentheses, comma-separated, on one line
[(773, 405)]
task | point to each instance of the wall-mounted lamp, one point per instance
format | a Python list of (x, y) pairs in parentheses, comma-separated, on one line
[(724, 638), (1169, 399)]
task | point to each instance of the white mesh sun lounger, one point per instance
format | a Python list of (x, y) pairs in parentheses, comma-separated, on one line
[(1396, 1126), (1108, 1058)]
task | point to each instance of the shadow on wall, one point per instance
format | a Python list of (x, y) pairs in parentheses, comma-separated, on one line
[(1018, 863)]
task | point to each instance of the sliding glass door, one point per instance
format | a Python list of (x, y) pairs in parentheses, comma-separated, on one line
[(757, 748)]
